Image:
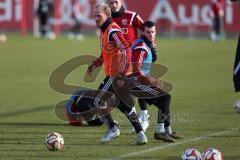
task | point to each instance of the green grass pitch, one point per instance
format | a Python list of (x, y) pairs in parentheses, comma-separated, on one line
[(202, 101)]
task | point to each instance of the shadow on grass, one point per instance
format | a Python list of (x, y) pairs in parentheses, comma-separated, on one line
[(38, 125), (26, 124), (26, 111)]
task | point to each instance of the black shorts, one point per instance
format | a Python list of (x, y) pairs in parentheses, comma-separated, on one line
[(119, 88), (149, 94)]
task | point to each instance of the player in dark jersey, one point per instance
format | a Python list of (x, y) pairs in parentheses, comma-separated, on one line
[(236, 71), (236, 76), (76, 29), (44, 13), (79, 104), (80, 109)]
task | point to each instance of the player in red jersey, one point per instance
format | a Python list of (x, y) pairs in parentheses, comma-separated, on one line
[(130, 23), (217, 13)]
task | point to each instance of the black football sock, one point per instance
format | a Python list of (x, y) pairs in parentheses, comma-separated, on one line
[(108, 121), (133, 118), (164, 111), (142, 104)]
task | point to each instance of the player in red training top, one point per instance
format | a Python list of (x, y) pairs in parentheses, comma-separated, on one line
[(217, 13), (130, 23)]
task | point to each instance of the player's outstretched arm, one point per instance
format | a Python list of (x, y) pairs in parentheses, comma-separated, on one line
[(98, 62)]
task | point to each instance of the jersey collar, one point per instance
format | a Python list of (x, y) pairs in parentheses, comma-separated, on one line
[(119, 13), (106, 24), (146, 41)]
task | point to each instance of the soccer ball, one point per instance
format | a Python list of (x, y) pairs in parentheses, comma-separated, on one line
[(191, 154), (54, 141), (51, 36), (212, 154), (237, 106), (3, 37)]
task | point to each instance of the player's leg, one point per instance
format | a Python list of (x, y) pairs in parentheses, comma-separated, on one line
[(143, 115), (236, 74), (113, 130), (163, 121), (164, 118), (71, 33), (133, 119), (42, 23), (126, 106), (164, 112), (78, 30), (218, 27), (95, 122), (213, 34)]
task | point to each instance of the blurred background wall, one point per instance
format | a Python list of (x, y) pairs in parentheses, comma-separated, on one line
[(173, 17)]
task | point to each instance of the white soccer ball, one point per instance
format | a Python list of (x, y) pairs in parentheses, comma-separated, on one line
[(237, 106), (212, 154), (51, 36), (54, 141), (3, 38), (191, 154)]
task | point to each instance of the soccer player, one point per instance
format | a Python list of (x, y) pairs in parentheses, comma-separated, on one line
[(76, 29), (217, 17), (44, 12), (130, 23), (80, 109), (141, 61), (236, 75), (116, 65), (79, 104)]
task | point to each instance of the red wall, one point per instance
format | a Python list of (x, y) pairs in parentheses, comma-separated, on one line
[(178, 14)]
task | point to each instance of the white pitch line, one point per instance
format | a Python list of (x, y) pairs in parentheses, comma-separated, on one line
[(171, 145)]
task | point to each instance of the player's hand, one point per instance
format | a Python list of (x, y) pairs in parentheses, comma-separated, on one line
[(90, 69)]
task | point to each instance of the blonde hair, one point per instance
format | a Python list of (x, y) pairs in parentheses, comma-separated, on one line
[(104, 7)]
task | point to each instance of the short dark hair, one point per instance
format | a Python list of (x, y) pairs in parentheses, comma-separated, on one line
[(148, 24)]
